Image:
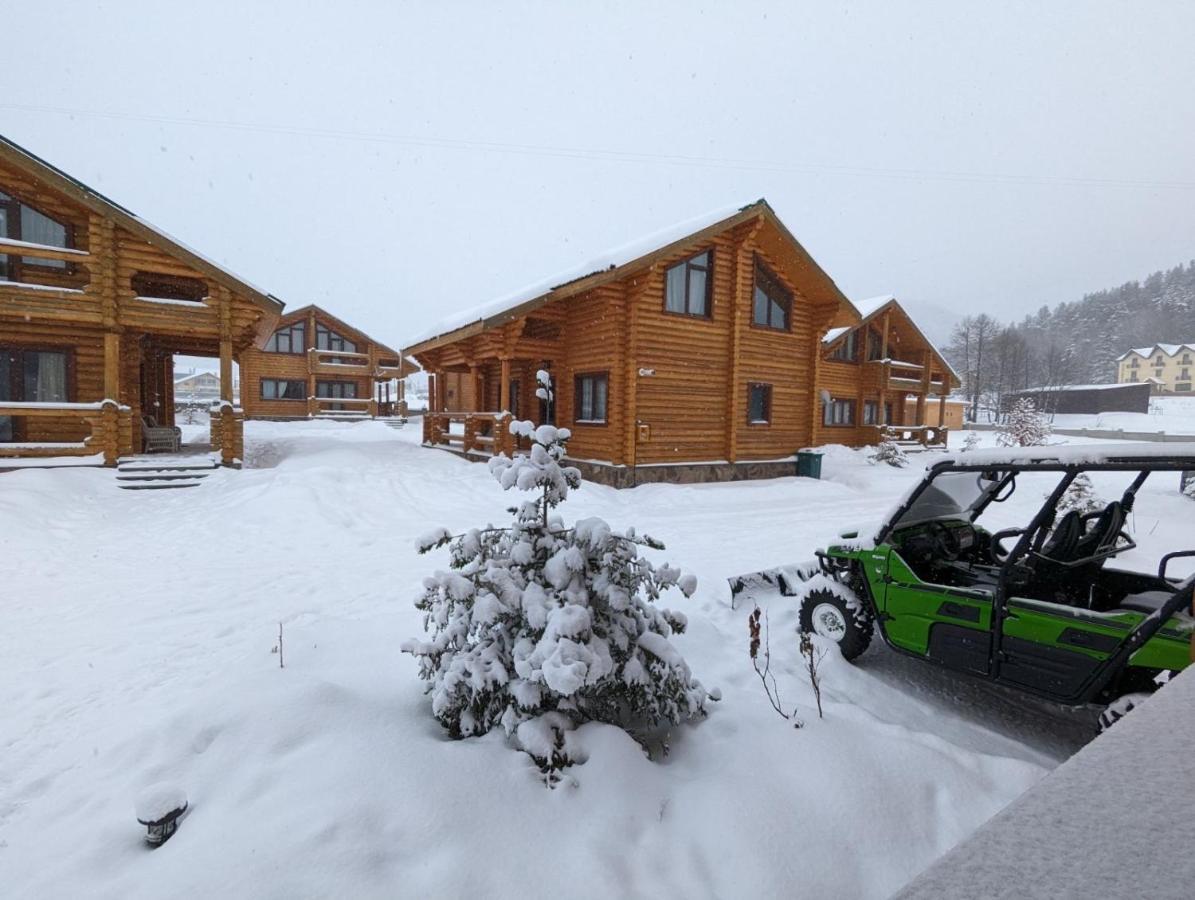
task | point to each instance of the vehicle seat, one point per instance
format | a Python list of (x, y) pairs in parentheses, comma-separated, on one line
[(1146, 601), (1102, 533), (1064, 540)]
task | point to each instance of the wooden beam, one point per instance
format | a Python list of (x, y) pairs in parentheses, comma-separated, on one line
[(112, 366), (40, 251), (504, 387), (226, 371)]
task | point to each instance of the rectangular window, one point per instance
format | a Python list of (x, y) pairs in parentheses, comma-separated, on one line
[(772, 303), (687, 286), (280, 389), (1182, 387), (514, 397), (1133, 363), (875, 345), (20, 222), (759, 404), (337, 390), (592, 393), (32, 376), (839, 412), (1186, 360), (292, 339), (168, 287), (871, 412), (1184, 374), (848, 350)]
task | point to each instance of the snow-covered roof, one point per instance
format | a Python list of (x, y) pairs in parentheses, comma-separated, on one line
[(1167, 349), (1080, 387), (1072, 454), (873, 305), (90, 196), (1114, 820), (610, 259)]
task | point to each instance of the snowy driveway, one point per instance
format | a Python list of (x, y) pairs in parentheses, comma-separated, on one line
[(136, 647)]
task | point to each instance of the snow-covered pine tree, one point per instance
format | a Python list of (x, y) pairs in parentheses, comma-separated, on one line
[(1080, 496), (888, 451), (539, 627), (970, 442), (1024, 427)]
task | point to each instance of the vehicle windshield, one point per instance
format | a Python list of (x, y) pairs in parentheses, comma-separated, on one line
[(951, 495)]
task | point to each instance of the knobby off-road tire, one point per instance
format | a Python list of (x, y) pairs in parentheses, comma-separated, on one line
[(827, 614)]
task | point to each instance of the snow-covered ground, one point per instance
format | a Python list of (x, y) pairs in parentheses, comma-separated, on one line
[(136, 649), (1171, 414)]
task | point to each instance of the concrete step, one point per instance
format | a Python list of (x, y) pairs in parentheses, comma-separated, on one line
[(159, 485)]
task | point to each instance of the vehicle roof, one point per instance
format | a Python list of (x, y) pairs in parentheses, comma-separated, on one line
[(1168, 455)]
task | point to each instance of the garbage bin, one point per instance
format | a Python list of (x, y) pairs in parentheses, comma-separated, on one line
[(809, 464)]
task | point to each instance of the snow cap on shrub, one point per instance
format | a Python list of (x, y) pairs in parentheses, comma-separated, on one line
[(540, 623)]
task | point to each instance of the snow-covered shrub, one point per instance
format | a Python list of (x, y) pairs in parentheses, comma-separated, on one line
[(970, 442), (1024, 427), (546, 624), (888, 451), (1080, 496)]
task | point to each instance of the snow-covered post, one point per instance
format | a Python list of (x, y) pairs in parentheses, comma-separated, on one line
[(539, 627)]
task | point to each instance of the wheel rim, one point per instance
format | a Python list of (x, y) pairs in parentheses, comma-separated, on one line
[(829, 622)]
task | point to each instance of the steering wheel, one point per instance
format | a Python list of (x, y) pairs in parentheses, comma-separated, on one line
[(995, 546), (947, 545)]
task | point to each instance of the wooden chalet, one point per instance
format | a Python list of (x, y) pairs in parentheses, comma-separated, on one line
[(94, 302), (316, 365), (694, 355), (876, 379)]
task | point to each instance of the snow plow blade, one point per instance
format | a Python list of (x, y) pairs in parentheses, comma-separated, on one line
[(783, 580)]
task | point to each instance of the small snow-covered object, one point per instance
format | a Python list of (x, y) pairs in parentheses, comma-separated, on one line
[(159, 807)]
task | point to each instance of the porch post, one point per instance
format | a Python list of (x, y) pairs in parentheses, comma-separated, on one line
[(112, 365), (226, 370), (475, 379), (504, 387), (942, 404)]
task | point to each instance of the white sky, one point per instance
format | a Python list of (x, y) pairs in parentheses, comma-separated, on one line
[(398, 162)]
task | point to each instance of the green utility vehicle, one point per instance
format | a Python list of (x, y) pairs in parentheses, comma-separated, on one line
[(1039, 607)]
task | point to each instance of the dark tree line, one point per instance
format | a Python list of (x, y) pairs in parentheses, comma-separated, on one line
[(1073, 343)]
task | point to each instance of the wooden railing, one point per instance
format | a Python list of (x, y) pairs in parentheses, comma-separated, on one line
[(355, 407), (928, 436), (484, 432), (338, 362), (109, 423)]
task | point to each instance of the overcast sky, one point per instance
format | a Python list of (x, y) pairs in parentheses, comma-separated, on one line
[(399, 162)]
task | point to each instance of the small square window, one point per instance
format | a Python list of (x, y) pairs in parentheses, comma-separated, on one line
[(592, 396), (759, 404)]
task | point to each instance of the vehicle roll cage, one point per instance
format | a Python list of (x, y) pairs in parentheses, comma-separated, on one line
[(1003, 473)]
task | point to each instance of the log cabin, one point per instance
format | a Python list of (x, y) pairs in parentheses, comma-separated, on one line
[(315, 365), (876, 377), (697, 354), (94, 302)]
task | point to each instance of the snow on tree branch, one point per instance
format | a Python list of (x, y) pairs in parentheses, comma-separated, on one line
[(539, 627)]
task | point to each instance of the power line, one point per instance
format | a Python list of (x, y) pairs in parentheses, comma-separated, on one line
[(621, 156)]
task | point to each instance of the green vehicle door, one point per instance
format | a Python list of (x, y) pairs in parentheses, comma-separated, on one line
[(950, 624)]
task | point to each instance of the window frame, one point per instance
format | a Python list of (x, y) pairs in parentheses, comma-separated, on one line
[(17, 377), (828, 408), (578, 378), (875, 406), (763, 275), (261, 390), (767, 401), (302, 326), (332, 333), (849, 340), (688, 265), (14, 264)]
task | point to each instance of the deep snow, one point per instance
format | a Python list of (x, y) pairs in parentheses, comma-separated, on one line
[(137, 649)]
